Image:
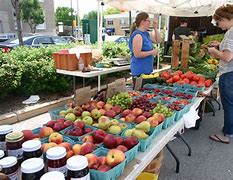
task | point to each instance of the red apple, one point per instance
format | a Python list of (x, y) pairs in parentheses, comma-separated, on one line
[(87, 130), (130, 118), (45, 131), (76, 131), (146, 114), (77, 111), (88, 138), (58, 126), (61, 120), (122, 148), (101, 160), (119, 140), (28, 135), (86, 148), (107, 107), (66, 145), (117, 109), (153, 121), (92, 160), (110, 141), (100, 104), (114, 157), (99, 135), (137, 111), (68, 123), (51, 123), (102, 111), (130, 142), (159, 117), (104, 168), (125, 112), (79, 124), (140, 119), (110, 113)]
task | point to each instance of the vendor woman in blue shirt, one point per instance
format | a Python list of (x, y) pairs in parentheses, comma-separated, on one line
[(141, 45)]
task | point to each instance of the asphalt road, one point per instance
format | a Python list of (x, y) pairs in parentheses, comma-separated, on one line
[(210, 160)]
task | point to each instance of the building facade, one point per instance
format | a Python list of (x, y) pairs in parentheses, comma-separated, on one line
[(8, 19), (119, 23)]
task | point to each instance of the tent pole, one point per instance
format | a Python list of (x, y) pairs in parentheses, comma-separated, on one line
[(160, 22)]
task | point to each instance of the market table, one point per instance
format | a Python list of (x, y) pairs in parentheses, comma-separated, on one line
[(100, 71)]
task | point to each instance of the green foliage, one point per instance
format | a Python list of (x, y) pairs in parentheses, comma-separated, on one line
[(90, 15), (62, 14), (112, 50), (217, 37), (32, 13), (31, 70), (112, 11)]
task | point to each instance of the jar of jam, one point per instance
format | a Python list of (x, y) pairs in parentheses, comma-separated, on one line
[(4, 130), (57, 159), (9, 167), (78, 168), (53, 175), (32, 149), (14, 143), (32, 169)]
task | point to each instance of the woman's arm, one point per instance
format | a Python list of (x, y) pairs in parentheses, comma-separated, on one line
[(224, 55), (137, 48), (155, 37)]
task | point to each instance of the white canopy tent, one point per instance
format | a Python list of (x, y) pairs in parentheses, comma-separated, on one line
[(182, 8)]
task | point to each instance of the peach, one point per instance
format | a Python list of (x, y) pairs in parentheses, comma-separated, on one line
[(114, 157), (86, 148), (153, 121), (107, 107), (76, 149), (92, 159), (101, 160), (88, 138), (100, 104), (46, 146), (45, 131), (66, 145), (56, 138), (130, 118), (160, 117), (69, 154), (137, 111)]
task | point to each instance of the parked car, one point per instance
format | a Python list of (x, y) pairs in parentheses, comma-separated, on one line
[(69, 38), (117, 39), (32, 41)]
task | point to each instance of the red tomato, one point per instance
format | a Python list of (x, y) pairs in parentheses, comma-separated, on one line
[(196, 78), (186, 80), (178, 72), (193, 82), (175, 78), (208, 82), (182, 76)]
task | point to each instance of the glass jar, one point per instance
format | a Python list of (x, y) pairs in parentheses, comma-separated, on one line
[(14, 143), (32, 169), (53, 175), (4, 130), (57, 159), (78, 168), (32, 149), (2, 154), (10, 167)]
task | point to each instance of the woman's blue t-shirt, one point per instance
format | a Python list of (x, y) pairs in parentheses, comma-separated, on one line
[(144, 65)]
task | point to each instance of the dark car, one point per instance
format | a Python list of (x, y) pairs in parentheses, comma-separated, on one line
[(69, 38), (33, 41)]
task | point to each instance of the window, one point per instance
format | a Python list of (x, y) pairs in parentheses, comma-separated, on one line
[(42, 40), (59, 40), (110, 22)]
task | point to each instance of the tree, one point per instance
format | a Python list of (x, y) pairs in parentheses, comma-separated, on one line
[(32, 13), (90, 15), (112, 11), (63, 14), (16, 5)]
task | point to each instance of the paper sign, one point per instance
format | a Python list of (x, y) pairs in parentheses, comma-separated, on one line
[(138, 84), (83, 95)]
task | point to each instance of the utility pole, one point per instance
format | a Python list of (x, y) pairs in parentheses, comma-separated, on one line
[(72, 28), (78, 20)]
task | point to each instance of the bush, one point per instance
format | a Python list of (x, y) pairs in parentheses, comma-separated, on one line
[(31, 70)]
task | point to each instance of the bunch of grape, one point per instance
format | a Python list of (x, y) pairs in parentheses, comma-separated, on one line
[(142, 103), (122, 99), (160, 108)]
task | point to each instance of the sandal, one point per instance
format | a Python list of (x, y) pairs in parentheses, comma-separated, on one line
[(220, 138)]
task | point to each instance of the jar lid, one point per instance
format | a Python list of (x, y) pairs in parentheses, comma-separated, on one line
[(31, 145), (76, 163), (2, 153), (8, 162), (55, 153), (32, 165), (53, 175), (14, 136), (5, 129)]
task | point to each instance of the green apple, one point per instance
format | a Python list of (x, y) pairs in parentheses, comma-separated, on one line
[(70, 117), (85, 113), (88, 120), (114, 129), (123, 126)]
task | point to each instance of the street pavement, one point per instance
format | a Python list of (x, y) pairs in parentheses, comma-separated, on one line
[(210, 160)]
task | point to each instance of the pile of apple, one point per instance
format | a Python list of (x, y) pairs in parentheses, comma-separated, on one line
[(186, 78), (78, 129), (105, 163), (112, 126), (58, 125)]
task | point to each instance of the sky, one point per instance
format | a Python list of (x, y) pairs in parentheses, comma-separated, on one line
[(85, 6)]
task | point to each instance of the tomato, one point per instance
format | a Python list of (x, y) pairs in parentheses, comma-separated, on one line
[(175, 78), (170, 80), (193, 82), (166, 76), (201, 78), (178, 73), (182, 76), (208, 82), (196, 78), (186, 80)]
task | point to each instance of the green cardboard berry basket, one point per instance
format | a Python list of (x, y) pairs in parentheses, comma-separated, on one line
[(158, 129), (54, 114), (111, 174), (169, 121)]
